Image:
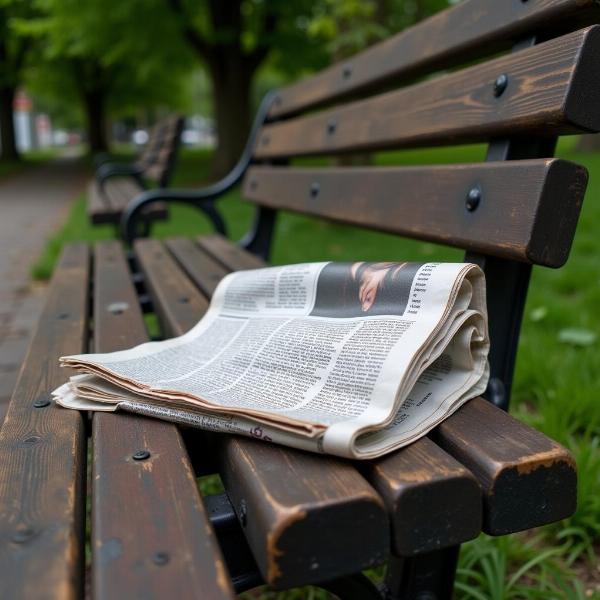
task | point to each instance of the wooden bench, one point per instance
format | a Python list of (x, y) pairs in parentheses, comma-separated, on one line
[(287, 517), (116, 184)]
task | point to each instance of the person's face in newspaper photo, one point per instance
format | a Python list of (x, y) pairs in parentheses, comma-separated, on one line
[(364, 288)]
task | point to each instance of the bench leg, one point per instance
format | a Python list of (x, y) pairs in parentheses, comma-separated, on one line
[(426, 577)]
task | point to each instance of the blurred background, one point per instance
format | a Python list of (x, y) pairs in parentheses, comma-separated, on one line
[(80, 78), (98, 73)]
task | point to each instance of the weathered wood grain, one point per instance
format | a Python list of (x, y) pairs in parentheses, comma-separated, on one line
[(469, 30), (300, 512), (200, 267), (108, 207), (227, 254), (434, 501), (43, 466), (527, 479), (527, 211), (552, 89), (151, 535), (173, 295)]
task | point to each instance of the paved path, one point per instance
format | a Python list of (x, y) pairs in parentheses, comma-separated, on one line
[(33, 204)]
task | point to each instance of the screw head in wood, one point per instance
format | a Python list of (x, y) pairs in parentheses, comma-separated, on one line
[(331, 126), (473, 199), (141, 455), (347, 71), (42, 402), (315, 188), (160, 558), (500, 85), (117, 308)]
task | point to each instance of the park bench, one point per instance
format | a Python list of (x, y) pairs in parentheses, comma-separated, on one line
[(115, 184), (287, 517)]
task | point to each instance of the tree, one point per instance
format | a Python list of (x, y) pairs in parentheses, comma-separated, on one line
[(14, 46), (101, 54), (234, 38)]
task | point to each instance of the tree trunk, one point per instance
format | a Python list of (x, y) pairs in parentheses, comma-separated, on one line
[(7, 127), (232, 81), (95, 110)]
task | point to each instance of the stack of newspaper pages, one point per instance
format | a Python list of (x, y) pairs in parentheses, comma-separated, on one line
[(351, 359)]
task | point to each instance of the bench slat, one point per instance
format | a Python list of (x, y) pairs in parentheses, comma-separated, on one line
[(151, 534), (203, 270), (42, 472), (227, 254), (434, 500), (523, 206), (553, 89), (472, 28), (527, 479), (302, 510), (109, 207)]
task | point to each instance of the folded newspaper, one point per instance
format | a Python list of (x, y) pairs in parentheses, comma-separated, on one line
[(350, 359)]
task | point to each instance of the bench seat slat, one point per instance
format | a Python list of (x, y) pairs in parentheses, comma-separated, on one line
[(156, 541), (526, 478), (435, 502), (229, 255), (108, 207), (472, 28), (203, 270), (302, 510), (522, 204), (43, 467), (552, 89)]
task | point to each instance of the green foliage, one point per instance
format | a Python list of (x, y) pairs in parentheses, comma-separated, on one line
[(132, 51)]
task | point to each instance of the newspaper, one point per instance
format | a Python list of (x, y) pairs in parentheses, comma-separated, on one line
[(350, 359)]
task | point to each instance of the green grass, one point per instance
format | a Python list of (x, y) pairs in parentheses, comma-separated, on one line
[(556, 380)]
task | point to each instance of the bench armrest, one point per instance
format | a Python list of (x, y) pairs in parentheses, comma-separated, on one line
[(203, 199), (112, 169)]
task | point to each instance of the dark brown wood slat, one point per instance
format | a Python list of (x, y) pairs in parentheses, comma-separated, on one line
[(43, 466), (201, 268), (151, 534), (108, 208), (301, 511), (528, 210), (435, 501), (527, 479), (174, 296), (472, 28), (229, 255), (553, 89)]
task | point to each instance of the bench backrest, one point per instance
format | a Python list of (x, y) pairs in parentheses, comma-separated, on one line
[(518, 208), (158, 157)]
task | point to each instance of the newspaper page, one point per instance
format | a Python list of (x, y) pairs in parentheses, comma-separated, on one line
[(351, 359)]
